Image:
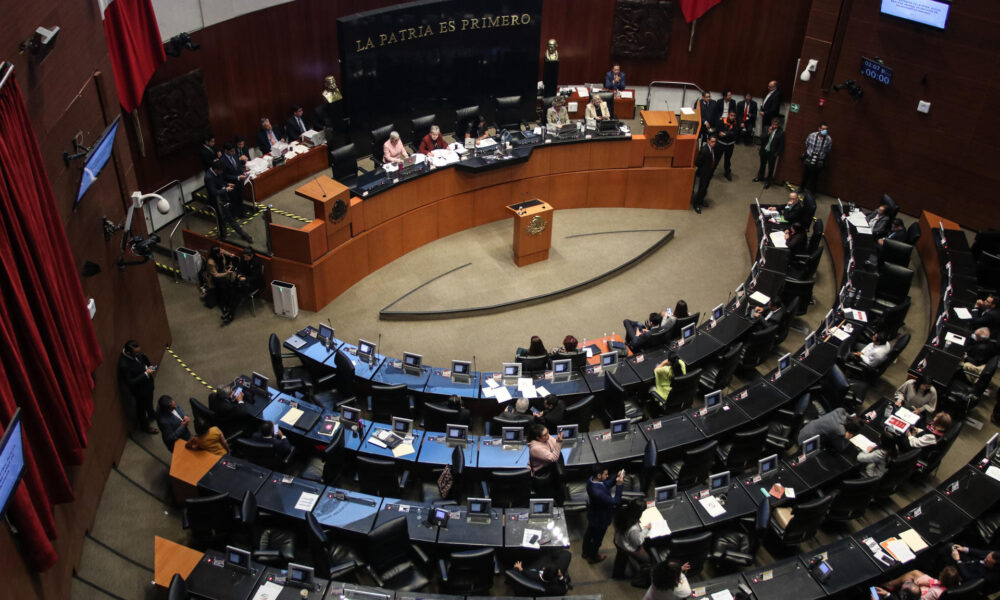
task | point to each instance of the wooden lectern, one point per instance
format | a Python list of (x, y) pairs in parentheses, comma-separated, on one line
[(532, 231)]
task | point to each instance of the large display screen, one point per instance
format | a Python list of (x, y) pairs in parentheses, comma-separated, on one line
[(98, 156), (11, 460), (435, 56), (925, 12)]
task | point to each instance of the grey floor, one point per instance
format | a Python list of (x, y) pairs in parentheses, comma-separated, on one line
[(704, 261)]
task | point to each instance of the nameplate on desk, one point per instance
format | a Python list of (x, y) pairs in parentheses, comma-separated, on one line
[(640, 358), (658, 425), (306, 501), (603, 436)]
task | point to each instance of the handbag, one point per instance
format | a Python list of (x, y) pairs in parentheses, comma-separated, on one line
[(445, 482)]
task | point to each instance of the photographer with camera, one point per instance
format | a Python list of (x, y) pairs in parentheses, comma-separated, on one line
[(818, 146)]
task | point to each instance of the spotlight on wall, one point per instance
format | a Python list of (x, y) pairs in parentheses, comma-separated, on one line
[(809, 70), (40, 43), (852, 88), (180, 42)]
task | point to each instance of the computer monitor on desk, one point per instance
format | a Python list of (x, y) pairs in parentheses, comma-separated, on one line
[(687, 332), (366, 350), (768, 464), (456, 433), (719, 483), (717, 312), (609, 360), (412, 362), (809, 447), (783, 364), (511, 372), (461, 371), (299, 576), (991, 445), (713, 402), (665, 493), (325, 334), (620, 426), (402, 427), (512, 435), (569, 432), (480, 509), (809, 342), (350, 416), (258, 385), (238, 560), (562, 367), (541, 508)]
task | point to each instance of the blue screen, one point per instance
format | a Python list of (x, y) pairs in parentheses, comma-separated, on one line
[(97, 158), (11, 461)]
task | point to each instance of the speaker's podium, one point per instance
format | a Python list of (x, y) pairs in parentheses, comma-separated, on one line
[(532, 231)]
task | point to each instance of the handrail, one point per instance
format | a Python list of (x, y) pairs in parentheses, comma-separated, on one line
[(683, 84)]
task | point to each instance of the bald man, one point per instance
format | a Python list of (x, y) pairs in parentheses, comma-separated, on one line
[(771, 107)]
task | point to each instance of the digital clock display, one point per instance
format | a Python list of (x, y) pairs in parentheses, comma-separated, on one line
[(876, 70)]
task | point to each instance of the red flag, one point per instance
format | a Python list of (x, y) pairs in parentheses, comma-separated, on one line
[(135, 45), (694, 9)]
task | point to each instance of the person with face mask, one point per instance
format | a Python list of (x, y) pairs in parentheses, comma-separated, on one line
[(818, 146), (727, 134)]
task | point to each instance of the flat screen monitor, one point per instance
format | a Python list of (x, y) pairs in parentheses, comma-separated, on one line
[(810, 446), (784, 362), (480, 506), (512, 435), (96, 158), (991, 445), (238, 559), (569, 432), (511, 370), (767, 464), (619, 426), (412, 361), (402, 426), (810, 341), (259, 382), (665, 492), (325, 333), (299, 576), (542, 507), (461, 367), (719, 482), (717, 313), (609, 359), (438, 517), (561, 366), (687, 331), (740, 290), (925, 12), (366, 348), (713, 401), (456, 433), (828, 319), (350, 415), (11, 460)]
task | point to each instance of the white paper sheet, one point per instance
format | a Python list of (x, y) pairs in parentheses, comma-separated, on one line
[(962, 313), (523, 382), (954, 338), (993, 472), (900, 551), (492, 383), (542, 391), (778, 239), (268, 591), (626, 95), (687, 111), (489, 392), (858, 218), (912, 539), (658, 526), (759, 298), (583, 92), (291, 416), (306, 501), (840, 334), (528, 534), (712, 506), (862, 442), (502, 395), (722, 595), (907, 415)]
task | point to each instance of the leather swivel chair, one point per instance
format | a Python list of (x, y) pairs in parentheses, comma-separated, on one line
[(392, 561)]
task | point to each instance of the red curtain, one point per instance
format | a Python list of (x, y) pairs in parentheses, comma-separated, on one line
[(694, 9), (48, 348), (135, 45)]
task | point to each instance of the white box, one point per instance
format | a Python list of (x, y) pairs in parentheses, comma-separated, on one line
[(285, 298), (190, 263)]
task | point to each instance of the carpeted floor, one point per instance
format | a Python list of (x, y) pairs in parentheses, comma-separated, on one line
[(704, 261)]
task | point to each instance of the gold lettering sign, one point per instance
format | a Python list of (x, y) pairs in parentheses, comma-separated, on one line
[(406, 34)]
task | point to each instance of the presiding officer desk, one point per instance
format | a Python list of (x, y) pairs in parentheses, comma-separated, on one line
[(327, 256)]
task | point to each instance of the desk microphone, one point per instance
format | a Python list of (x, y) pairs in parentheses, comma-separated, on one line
[(319, 185), (377, 345), (474, 369)]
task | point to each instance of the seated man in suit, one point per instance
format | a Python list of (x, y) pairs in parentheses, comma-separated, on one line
[(614, 79), (296, 125), (794, 210), (267, 432), (557, 113), (879, 220), (234, 172), (746, 119), (638, 335), (393, 150), (476, 128), (978, 352), (987, 314), (267, 136), (767, 315), (249, 273), (218, 196), (973, 563), (227, 404), (896, 232), (172, 421), (432, 141), (554, 414), (208, 153), (597, 108)]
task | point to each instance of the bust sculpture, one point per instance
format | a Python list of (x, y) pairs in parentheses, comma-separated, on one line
[(330, 91), (552, 51)]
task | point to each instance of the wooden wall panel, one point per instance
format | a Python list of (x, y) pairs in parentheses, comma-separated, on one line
[(572, 157), (941, 161), (419, 227), (385, 244), (609, 155), (490, 204), (604, 188), (568, 190), (659, 188), (455, 214)]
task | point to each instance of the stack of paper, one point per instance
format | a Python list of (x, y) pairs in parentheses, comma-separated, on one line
[(912, 539), (268, 591), (993, 472), (907, 415), (858, 219), (722, 595), (657, 524), (687, 111), (898, 549), (862, 442), (778, 239), (759, 298), (542, 391), (292, 416), (952, 338), (962, 313), (626, 95), (712, 506), (531, 538), (403, 450), (840, 334), (502, 395)]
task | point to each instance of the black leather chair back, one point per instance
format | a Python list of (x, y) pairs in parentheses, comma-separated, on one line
[(894, 318), (988, 271), (913, 233), (344, 381), (969, 590), (932, 456), (258, 452), (614, 397), (578, 358), (797, 288), (510, 489), (697, 464), (379, 137), (727, 367), (581, 412), (500, 421), (378, 477), (533, 364), (470, 571), (388, 545), (899, 470), (683, 322), (658, 338), (206, 513), (274, 350), (816, 237), (747, 448), (609, 98), (344, 163), (806, 519), (893, 207), (525, 584), (759, 345), (334, 456), (896, 252), (649, 466), (462, 118), (683, 390), (202, 412), (808, 208), (893, 283), (390, 401), (855, 496), (419, 128), (785, 322), (508, 112), (692, 549), (177, 589), (317, 544), (897, 348), (437, 416)]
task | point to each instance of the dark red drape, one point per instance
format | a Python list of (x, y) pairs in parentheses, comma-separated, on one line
[(48, 347), (135, 45), (694, 9)]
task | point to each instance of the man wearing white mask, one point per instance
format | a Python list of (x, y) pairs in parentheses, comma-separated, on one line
[(818, 146)]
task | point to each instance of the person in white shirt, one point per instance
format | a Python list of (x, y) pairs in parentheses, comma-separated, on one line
[(938, 426), (917, 395), (597, 108), (669, 582), (876, 458), (875, 353)]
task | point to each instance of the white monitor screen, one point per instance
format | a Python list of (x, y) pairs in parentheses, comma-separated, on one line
[(349, 414), (688, 331), (238, 558), (479, 506), (784, 362), (561, 366), (412, 360), (325, 332), (714, 399), (925, 12), (259, 381), (991, 445), (619, 426), (458, 432), (541, 507), (568, 431), (828, 319), (811, 445), (402, 426), (609, 359), (719, 481), (512, 369), (366, 348), (461, 367), (717, 312), (810, 340), (767, 464), (512, 434), (665, 492)]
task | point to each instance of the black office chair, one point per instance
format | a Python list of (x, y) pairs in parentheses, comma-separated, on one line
[(525, 584), (333, 390), (899, 470), (962, 396), (895, 252), (893, 285), (988, 529), (438, 416), (855, 496), (468, 572), (693, 468), (804, 521), (609, 98), (533, 364), (294, 379), (808, 208), (330, 560), (510, 489), (758, 348), (988, 271), (693, 549), (617, 403), (581, 412), (508, 113), (379, 477), (327, 467), (199, 411), (419, 128), (797, 288), (578, 358), (913, 233), (388, 401), (495, 426), (858, 370), (969, 590), (888, 321), (208, 518), (683, 390), (718, 374), (816, 238), (380, 136), (178, 589), (262, 453), (787, 316), (658, 338), (683, 322), (344, 164), (433, 492), (269, 545), (893, 208), (394, 562), (462, 118), (744, 450), (783, 430), (734, 549), (804, 266)]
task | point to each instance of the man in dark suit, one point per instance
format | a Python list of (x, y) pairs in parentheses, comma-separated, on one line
[(218, 196), (771, 107), (768, 315), (600, 510), (135, 372), (208, 153), (296, 125), (227, 404), (704, 169), (267, 136), (614, 79), (771, 145), (234, 172), (987, 314), (266, 433), (707, 113), (638, 335), (973, 563), (172, 421), (746, 118), (724, 106)]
